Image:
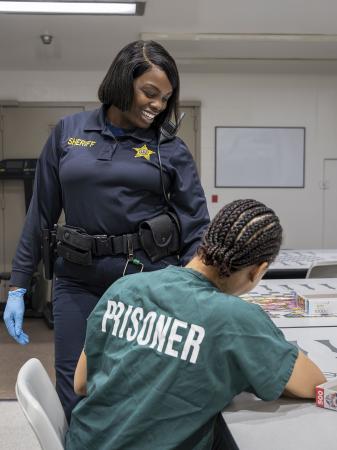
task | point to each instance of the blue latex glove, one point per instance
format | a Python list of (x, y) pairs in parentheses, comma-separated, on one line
[(13, 315)]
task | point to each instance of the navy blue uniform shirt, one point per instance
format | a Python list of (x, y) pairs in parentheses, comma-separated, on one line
[(108, 184)]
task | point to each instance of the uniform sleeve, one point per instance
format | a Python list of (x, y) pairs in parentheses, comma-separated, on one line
[(263, 356), (188, 200), (44, 211)]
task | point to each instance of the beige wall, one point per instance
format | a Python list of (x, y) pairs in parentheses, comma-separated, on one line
[(232, 99), (273, 100)]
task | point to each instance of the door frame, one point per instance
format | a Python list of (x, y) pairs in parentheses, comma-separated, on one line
[(197, 121), (324, 188)]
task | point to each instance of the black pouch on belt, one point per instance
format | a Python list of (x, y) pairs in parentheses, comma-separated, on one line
[(160, 236), (74, 245)]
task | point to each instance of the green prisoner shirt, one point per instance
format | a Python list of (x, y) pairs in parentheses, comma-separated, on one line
[(166, 351)]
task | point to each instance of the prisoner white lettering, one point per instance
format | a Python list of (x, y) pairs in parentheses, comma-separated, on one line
[(162, 333)]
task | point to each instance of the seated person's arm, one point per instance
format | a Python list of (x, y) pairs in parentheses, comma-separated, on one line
[(80, 377), (304, 378)]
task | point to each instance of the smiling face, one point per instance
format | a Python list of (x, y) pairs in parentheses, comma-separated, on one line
[(151, 93)]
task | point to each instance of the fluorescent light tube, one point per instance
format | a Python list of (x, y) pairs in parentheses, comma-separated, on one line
[(67, 7), (237, 37)]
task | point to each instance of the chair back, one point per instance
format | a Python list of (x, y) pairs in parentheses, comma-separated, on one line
[(41, 405), (322, 269)]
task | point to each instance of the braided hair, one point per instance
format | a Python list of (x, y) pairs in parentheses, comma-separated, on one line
[(243, 233)]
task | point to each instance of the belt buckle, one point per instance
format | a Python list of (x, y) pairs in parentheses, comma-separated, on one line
[(102, 245), (127, 244)]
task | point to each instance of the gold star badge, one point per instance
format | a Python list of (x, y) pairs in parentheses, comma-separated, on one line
[(143, 152)]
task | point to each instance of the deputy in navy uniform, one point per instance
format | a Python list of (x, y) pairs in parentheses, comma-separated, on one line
[(130, 193)]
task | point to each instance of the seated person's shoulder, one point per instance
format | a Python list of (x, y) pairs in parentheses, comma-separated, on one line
[(238, 307), (248, 316)]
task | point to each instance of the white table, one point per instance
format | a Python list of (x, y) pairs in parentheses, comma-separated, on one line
[(295, 263), (315, 336), (291, 424), (305, 286), (284, 424)]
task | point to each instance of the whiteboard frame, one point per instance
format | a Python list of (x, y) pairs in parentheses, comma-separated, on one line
[(301, 185)]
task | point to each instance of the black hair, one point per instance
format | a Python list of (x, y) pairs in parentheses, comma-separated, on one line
[(243, 233), (130, 63)]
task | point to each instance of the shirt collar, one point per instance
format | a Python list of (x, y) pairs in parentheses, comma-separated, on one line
[(96, 122)]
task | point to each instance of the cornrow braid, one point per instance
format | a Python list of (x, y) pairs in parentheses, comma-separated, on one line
[(243, 233)]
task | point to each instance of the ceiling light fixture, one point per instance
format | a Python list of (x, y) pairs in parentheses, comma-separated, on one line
[(238, 37), (101, 7)]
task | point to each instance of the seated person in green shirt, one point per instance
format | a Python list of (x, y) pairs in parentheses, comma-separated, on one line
[(167, 351)]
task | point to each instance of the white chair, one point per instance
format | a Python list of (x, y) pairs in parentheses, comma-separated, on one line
[(322, 269), (41, 405)]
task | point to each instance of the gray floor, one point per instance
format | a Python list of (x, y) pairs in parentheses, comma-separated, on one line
[(15, 432), (13, 355)]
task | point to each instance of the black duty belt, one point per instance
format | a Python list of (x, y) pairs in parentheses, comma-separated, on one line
[(75, 245), (158, 237)]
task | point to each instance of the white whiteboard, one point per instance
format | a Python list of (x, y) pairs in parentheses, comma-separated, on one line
[(259, 157)]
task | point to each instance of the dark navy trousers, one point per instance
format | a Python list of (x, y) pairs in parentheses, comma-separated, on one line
[(77, 289), (72, 305), (223, 439)]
